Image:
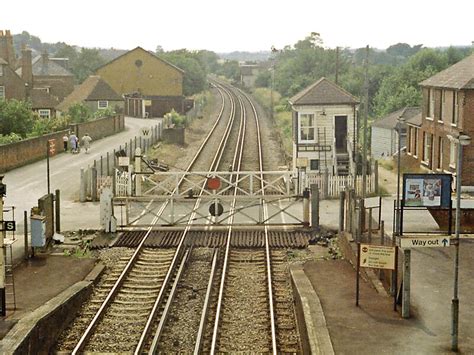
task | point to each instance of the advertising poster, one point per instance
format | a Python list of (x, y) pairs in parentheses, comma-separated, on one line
[(424, 190)]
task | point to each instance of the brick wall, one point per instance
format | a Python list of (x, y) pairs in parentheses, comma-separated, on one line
[(29, 150), (101, 128)]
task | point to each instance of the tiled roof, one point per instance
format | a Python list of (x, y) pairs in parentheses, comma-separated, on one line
[(323, 92), (390, 121), (49, 68), (92, 89), (458, 76), (42, 99)]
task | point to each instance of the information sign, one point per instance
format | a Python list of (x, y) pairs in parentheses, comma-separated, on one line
[(424, 242), (377, 256)]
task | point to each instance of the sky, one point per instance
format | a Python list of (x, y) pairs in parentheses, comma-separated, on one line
[(244, 25)]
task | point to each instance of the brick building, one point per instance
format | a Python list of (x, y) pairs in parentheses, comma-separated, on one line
[(96, 94), (447, 109), (151, 86), (43, 81)]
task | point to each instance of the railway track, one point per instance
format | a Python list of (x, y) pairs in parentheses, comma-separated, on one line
[(199, 291)]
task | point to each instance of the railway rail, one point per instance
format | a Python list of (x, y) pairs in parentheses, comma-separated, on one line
[(193, 281)]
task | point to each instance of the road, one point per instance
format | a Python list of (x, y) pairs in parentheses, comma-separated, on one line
[(27, 184)]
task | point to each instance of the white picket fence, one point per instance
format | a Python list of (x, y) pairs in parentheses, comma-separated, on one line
[(333, 185)]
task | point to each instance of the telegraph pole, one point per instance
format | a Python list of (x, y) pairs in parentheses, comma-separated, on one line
[(366, 114)]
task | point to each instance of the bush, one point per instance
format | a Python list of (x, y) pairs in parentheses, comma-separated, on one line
[(11, 138), (174, 118), (107, 112), (79, 113)]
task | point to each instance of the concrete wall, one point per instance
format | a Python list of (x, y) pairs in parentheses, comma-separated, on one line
[(30, 150)]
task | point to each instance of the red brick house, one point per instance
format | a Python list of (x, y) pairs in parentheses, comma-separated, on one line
[(447, 109)]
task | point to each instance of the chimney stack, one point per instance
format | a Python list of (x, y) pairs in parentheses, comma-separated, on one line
[(6, 48), (26, 66)]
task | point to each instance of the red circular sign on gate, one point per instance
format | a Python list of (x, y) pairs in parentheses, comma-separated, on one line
[(213, 183)]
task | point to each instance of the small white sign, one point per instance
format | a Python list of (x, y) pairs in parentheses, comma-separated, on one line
[(146, 132), (123, 161), (424, 242), (377, 256)]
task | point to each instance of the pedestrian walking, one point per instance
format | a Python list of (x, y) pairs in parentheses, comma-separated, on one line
[(73, 143), (65, 140), (86, 142)]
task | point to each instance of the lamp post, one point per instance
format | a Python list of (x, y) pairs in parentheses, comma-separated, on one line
[(401, 121), (461, 140)]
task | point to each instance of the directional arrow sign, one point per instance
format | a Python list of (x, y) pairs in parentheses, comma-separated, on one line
[(424, 242)]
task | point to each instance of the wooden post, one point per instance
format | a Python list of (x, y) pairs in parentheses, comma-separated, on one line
[(341, 211), (25, 223), (315, 207), (57, 210), (370, 225), (376, 177), (94, 183)]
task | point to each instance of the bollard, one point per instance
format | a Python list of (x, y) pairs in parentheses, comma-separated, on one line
[(406, 283)]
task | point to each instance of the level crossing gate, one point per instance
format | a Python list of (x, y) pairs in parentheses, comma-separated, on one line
[(180, 198)]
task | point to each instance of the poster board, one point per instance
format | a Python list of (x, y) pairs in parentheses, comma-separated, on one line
[(427, 190)]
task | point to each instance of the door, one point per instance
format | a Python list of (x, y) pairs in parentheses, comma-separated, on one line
[(340, 131)]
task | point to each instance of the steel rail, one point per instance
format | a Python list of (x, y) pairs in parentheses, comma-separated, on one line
[(214, 165), (267, 241), (236, 164), (100, 313)]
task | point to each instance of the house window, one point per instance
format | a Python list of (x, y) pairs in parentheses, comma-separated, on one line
[(307, 128), (452, 154), (426, 147), (455, 108), (44, 113), (314, 164), (431, 104), (440, 153), (441, 105), (102, 104), (2, 92), (415, 142)]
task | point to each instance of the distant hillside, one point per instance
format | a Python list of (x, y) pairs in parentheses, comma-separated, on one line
[(246, 56)]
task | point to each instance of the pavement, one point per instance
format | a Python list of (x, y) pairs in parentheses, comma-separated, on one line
[(25, 185), (374, 327)]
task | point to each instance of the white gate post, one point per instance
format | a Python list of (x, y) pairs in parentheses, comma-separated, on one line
[(138, 169)]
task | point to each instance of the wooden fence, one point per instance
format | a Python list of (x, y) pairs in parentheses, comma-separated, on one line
[(333, 185)]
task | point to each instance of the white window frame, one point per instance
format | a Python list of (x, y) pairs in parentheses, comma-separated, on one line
[(452, 154), (431, 103), (101, 107), (427, 148), (313, 126), (44, 113), (2, 92), (440, 153)]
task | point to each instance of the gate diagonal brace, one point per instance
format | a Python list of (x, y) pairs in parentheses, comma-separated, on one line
[(282, 210), (148, 211)]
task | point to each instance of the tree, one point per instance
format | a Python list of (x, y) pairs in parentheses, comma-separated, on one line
[(88, 60), (194, 72), (79, 113), (15, 117)]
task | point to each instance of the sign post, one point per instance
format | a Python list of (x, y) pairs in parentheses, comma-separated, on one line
[(377, 257)]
